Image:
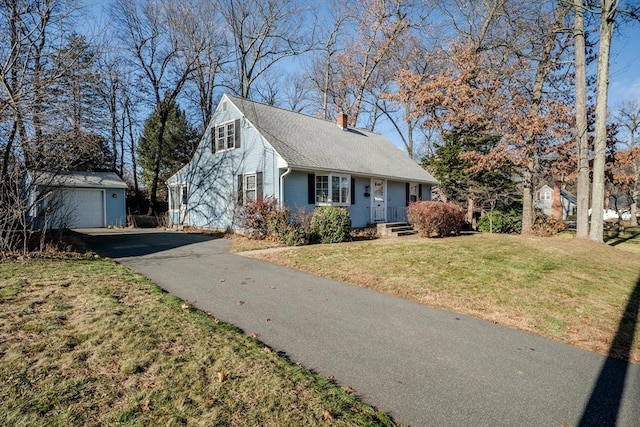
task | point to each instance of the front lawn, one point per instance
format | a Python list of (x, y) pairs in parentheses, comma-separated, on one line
[(87, 342), (569, 290)]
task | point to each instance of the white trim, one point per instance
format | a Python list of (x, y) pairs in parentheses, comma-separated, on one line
[(329, 196), (224, 125)]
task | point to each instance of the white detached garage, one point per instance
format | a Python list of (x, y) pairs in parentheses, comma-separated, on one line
[(78, 199)]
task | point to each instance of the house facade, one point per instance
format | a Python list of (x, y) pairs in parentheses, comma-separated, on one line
[(567, 201), (252, 150)]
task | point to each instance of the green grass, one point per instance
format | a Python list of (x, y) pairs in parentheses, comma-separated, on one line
[(569, 290), (87, 342)]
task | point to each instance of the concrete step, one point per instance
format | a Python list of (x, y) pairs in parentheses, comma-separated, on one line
[(395, 229)]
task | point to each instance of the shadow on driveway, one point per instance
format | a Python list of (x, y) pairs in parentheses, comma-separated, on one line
[(134, 243), (607, 394)]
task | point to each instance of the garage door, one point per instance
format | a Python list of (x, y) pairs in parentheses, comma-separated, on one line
[(84, 208)]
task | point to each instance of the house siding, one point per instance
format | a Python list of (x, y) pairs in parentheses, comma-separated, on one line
[(115, 207), (360, 211), (212, 178)]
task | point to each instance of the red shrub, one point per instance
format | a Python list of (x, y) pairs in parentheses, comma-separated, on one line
[(254, 214), (441, 219)]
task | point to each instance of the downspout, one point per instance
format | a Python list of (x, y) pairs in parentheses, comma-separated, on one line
[(281, 201)]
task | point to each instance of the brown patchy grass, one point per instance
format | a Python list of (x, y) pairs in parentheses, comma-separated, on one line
[(244, 244), (87, 342), (568, 290)]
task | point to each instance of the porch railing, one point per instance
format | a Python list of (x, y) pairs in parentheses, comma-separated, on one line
[(393, 214)]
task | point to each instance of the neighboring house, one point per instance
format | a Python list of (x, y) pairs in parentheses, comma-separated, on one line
[(76, 199), (544, 201), (251, 150)]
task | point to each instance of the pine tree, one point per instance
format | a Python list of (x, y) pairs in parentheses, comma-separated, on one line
[(179, 142)]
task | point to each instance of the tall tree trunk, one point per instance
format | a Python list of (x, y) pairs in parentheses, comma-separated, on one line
[(607, 20), (528, 216), (582, 142)]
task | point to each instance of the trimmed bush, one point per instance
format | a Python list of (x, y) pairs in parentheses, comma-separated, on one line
[(500, 222), (253, 216), (292, 230), (436, 218), (330, 224)]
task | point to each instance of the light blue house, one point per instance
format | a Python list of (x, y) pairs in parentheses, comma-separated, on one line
[(251, 150)]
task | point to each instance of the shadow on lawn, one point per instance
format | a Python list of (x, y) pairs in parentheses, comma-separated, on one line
[(606, 396)]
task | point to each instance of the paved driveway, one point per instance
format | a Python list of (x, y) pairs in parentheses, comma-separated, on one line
[(424, 366)]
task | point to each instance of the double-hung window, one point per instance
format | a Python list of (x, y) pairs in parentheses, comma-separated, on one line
[(250, 187), (225, 136), (177, 197), (333, 189)]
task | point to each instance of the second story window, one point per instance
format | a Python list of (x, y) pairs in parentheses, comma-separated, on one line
[(226, 136)]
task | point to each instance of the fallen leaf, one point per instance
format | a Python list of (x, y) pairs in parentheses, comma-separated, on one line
[(208, 313), (221, 280), (330, 377), (149, 384), (348, 389), (240, 302), (146, 405), (327, 416), (185, 307), (355, 410), (222, 376), (254, 335), (216, 320), (209, 401), (268, 319), (267, 349)]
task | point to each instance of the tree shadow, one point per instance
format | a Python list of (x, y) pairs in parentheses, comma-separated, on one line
[(606, 397), (621, 237), (138, 243)]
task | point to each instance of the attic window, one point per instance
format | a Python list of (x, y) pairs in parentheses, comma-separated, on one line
[(226, 136)]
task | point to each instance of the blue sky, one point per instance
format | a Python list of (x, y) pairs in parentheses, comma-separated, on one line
[(624, 81)]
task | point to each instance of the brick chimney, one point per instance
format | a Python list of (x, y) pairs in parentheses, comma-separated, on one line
[(343, 121)]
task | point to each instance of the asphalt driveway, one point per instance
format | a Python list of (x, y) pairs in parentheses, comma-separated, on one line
[(424, 366)]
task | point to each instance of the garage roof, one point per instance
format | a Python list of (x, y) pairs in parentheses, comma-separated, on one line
[(78, 179)]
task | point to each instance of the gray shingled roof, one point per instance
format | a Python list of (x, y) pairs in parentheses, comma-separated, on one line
[(310, 143), (78, 179)]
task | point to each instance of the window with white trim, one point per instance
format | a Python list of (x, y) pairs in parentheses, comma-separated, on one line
[(250, 187), (225, 136), (333, 189), (177, 196)]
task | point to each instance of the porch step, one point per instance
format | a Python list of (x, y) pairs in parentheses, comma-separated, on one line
[(395, 229)]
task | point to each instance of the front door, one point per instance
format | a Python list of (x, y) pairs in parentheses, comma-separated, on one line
[(379, 200)]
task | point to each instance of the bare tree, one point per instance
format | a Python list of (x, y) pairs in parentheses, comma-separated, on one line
[(582, 141), (628, 119), (265, 32), (608, 10), (158, 37)]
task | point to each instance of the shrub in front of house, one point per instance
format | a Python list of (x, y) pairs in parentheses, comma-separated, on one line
[(291, 230), (330, 224), (499, 221), (253, 216), (436, 218)]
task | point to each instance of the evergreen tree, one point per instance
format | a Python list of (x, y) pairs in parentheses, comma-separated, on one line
[(179, 142), (453, 165)]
